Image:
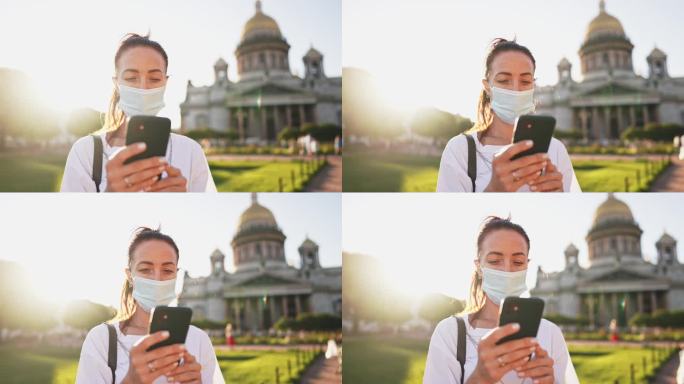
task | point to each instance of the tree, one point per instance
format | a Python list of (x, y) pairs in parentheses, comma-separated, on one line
[(84, 314), (438, 125), (312, 322), (322, 133), (208, 133), (654, 132), (435, 307), (84, 121), (289, 133)]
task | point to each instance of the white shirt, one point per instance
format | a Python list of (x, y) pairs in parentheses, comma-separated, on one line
[(442, 367), (92, 366), (182, 152), (453, 168)]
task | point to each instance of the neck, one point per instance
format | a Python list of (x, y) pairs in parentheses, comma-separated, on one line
[(488, 316), (117, 137), (498, 132), (138, 322)]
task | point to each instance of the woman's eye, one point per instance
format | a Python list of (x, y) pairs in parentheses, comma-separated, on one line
[(144, 270), (131, 79)]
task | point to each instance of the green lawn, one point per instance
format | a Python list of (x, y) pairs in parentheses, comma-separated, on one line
[(31, 172), (259, 176), (387, 172), (43, 173), (609, 175), (402, 361), (58, 366)]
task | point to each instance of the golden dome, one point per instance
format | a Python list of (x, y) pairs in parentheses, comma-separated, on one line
[(612, 209), (256, 214), (604, 24), (260, 24)]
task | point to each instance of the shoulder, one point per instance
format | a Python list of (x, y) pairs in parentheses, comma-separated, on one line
[(446, 328), (557, 146), (457, 142), (198, 335), (83, 145), (550, 329), (184, 141), (97, 337)]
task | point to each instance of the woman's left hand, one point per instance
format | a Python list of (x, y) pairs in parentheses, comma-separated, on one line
[(190, 372), (173, 182), (551, 181), (540, 369)]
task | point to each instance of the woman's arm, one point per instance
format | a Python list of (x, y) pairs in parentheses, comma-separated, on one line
[(441, 365), (453, 174), (211, 371), (564, 371), (77, 171), (92, 365), (564, 165), (200, 177)]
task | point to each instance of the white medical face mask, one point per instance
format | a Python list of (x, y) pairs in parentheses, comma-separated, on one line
[(500, 284), (509, 104), (153, 293), (138, 101)]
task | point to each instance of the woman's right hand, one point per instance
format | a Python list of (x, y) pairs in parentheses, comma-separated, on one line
[(509, 175), (494, 361), (135, 176), (146, 366)]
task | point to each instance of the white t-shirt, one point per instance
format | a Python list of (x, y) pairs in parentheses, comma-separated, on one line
[(182, 152), (453, 168), (92, 366), (442, 367)]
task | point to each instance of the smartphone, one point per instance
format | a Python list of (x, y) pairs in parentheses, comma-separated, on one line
[(525, 311), (175, 320), (153, 131), (537, 128)]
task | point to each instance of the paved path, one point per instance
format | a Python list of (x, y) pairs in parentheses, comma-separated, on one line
[(672, 180), (329, 179), (668, 372), (323, 371)]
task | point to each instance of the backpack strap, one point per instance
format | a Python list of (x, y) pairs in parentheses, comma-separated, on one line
[(461, 346), (97, 161), (472, 163), (111, 355)]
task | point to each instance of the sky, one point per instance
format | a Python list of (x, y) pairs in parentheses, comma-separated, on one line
[(426, 242), (75, 246), (432, 52), (67, 47)]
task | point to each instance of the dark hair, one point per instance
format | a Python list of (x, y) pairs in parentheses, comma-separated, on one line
[(114, 116), (141, 235), (498, 45), (476, 297)]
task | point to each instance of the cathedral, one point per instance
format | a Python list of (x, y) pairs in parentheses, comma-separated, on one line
[(266, 97), (263, 287), (618, 282), (611, 97)]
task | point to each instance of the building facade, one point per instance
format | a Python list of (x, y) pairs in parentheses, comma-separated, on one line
[(266, 97), (618, 282), (611, 97), (263, 288)]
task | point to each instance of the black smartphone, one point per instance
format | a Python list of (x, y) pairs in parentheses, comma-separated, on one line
[(153, 131), (537, 128), (525, 311), (175, 320)]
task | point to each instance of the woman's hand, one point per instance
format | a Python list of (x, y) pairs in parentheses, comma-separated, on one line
[(190, 372), (145, 367), (494, 361), (551, 181), (540, 369), (136, 176), (509, 175), (173, 182)]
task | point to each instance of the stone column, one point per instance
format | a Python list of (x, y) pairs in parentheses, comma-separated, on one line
[(302, 115), (583, 122), (250, 125), (229, 122), (602, 309), (632, 116), (654, 302), (607, 130), (276, 119), (236, 309), (621, 126), (595, 123), (260, 312), (640, 302), (644, 109), (272, 309), (298, 305), (241, 124), (590, 305), (283, 300), (314, 115), (288, 112), (264, 134), (614, 304)]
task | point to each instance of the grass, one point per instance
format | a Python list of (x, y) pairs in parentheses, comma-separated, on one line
[(609, 175), (43, 173), (261, 175), (31, 172), (388, 172), (59, 366), (398, 360)]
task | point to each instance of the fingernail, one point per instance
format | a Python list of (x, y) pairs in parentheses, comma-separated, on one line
[(162, 160), (516, 326), (532, 349), (180, 356), (534, 341), (161, 169), (533, 188), (545, 156), (182, 348), (169, 379), (529, 143), (165, 333), (142, 145)]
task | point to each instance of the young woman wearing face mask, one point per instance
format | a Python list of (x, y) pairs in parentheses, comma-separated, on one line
[(508, 90), (139, 83), (150, 282), (500, 271)]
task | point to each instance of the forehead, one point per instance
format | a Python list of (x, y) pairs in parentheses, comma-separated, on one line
[(504, 240), (513, 62), (141, 57), (154, 251)]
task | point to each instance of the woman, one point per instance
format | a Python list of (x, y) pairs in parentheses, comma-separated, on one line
[(150, 282), (500, 270), (140, 66), (507, 93)]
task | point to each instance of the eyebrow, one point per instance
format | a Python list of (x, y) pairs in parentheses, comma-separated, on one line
[(136, 71), (495, 253), (510, 74)]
